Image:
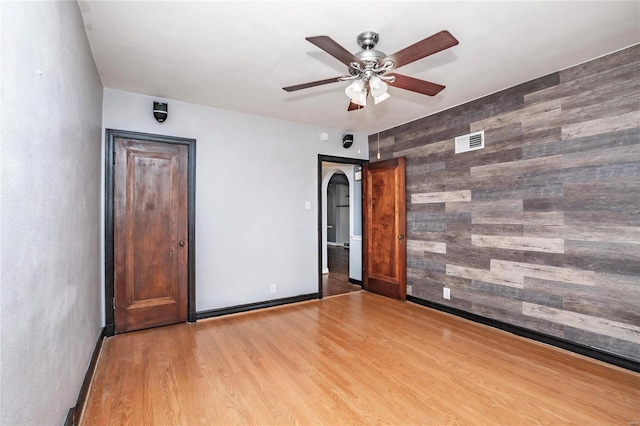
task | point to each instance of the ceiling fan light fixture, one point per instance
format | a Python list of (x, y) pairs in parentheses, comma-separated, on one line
[(378, 99), (354, 90), (362, 100), (367, 68), (378, 87)]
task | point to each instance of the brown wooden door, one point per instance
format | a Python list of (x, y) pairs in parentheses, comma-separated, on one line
[(150, 234), (384, 254)]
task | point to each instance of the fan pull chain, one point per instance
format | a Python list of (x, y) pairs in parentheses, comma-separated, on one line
[(378, 156)]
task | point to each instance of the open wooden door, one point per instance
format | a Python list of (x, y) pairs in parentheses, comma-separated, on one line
[(384, 246)]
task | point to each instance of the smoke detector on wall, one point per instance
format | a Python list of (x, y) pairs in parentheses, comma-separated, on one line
[(347, 140), (160, 111)]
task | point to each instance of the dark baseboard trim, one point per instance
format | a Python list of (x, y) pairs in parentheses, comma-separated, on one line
[(68, 421), (354, 281), (252, 306), (73, 415), (109, 330), (534, 335)]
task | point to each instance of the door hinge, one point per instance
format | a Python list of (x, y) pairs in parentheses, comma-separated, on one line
[(113, 303)]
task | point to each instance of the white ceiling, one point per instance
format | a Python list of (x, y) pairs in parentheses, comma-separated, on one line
[(238, 55)]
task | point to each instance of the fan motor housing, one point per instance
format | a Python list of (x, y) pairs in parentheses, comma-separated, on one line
[(368, 39), (370, 55)]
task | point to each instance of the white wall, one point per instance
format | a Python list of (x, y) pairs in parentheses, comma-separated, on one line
[(342, 214), (253, 177), (50, 212)]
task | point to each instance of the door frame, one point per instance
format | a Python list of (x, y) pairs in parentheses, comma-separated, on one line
[(109, 145), (330, 159)]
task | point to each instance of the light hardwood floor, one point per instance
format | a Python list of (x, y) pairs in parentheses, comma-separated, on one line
[(356, 358)]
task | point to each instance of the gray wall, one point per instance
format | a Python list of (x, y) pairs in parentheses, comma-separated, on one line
[(254, 176), (50, 188), (541, 228)]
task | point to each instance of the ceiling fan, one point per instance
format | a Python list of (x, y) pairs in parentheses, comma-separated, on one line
[(369, 68)]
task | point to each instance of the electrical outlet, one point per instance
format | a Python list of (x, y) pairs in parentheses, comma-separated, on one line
[(273, 288), (409, 290), (446, 292)]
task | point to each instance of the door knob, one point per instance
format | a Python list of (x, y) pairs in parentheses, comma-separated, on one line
[(181, 243)]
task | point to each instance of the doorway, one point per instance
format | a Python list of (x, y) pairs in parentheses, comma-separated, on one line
[(149, 230), (339, 225)]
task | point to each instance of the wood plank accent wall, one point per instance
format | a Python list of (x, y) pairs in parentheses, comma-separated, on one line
[(541, 228)]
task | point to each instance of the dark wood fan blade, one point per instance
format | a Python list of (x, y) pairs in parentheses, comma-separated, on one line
[(311, 84), (334, 49), (416, 85), (354, 107), (430, 45)]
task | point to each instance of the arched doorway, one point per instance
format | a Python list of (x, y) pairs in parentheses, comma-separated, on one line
[(338, 229), (341, 228), (338, 233)]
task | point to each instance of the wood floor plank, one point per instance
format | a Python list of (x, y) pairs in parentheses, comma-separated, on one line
[(337, 280), (358, 358)]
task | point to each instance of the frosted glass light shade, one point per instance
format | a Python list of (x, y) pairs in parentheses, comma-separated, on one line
[(378, 87), (378, 99), (354, 90)]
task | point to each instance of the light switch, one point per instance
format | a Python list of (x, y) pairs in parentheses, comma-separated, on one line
[(307, 205)]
